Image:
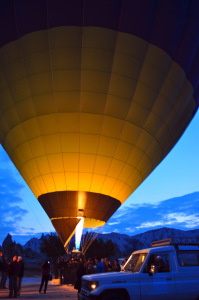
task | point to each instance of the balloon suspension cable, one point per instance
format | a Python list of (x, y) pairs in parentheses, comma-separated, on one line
[(16, 173), (88, 238), (67, 247)]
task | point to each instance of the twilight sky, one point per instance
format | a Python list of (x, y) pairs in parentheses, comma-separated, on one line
[(169, 197)]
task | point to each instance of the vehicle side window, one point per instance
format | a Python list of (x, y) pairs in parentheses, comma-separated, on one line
[(188, 258), (160, 261)]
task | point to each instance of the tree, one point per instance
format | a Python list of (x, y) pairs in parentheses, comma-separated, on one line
[(11, 248), (100, 249), (52, 246)]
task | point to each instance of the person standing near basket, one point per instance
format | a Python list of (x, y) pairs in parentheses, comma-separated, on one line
[(45, 276), (12, 273)]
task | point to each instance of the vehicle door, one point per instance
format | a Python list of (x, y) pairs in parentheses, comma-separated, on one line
[(158, 283), (187, 277)]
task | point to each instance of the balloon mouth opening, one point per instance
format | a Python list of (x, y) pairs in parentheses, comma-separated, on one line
[(83, 222), (88, 222)]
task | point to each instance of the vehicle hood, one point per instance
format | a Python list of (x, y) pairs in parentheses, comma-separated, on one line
[(114, 277)]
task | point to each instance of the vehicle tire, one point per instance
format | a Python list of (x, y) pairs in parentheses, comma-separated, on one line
[(112, 296)]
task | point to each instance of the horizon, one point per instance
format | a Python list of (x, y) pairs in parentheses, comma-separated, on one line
[(106, 233)]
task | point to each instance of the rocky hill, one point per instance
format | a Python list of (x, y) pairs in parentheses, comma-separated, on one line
[(126, 244), (145, 239), (33, 244)]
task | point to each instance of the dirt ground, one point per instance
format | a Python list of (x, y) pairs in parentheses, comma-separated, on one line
[(31, 283), (30, 290)]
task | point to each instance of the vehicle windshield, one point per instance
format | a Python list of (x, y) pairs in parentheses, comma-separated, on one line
[(135, 262)]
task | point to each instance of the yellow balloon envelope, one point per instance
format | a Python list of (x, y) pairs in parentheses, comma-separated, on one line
[(93, 95)]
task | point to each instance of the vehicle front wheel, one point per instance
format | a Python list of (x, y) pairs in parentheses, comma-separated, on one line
[(112, 296)]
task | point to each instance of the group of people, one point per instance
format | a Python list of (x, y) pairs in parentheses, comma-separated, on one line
[(70, 271), (13, 270), (67, 270), (94, 266)]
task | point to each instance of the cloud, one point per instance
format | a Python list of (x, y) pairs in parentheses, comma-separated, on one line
[(11, 212), (114, 223), (180, 213), (151, 224), (130, 229), (189, 221)]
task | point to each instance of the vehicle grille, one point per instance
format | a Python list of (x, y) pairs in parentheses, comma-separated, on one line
[(85, 285)]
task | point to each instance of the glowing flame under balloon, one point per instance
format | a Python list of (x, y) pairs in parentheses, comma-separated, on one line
[(78, 233)]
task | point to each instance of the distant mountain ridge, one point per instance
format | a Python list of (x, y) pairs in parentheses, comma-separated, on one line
[(33, 244), (126, 244)]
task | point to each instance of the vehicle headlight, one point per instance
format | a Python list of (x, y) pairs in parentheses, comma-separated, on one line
[(93, 285)]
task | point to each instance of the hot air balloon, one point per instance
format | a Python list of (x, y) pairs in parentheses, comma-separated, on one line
[(93, 95)]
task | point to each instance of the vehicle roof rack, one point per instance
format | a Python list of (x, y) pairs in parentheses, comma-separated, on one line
[(175, 241)]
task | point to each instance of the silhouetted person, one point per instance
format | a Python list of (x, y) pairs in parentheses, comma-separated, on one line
[(12, 273), (99, 265), (90, 269), (80, 272), (4, 272), (1, 261), (116, 266), (20, 274), (62, 270), (45, 276), (56, 270)]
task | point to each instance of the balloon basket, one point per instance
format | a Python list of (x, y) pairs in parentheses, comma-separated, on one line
[(56, 281)]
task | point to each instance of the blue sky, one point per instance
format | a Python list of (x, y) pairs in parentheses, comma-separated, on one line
[(169, 197)]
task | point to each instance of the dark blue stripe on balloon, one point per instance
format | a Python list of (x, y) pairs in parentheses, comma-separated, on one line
[(31, 16), (102, 13), (64, 12), (189, 42), (8, 30), (196, 94), (160, 22), (168, 25), (138, 17), (194, 71)]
